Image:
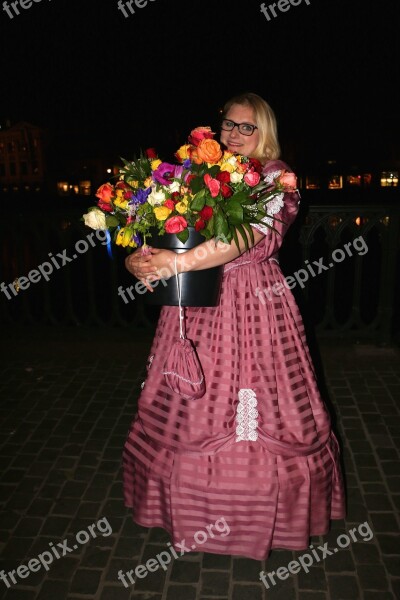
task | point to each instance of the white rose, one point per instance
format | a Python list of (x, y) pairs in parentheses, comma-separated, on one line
[(236, 177), (95, 219), (155, 198), (232, 161), (174, 187)]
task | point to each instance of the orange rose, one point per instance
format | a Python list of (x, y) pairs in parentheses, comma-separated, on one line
[(194, 156), (105, 192), (209, 151)]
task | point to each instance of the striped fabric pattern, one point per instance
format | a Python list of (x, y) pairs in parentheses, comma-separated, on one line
[(185, 465)]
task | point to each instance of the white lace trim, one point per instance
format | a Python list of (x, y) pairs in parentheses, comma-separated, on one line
[(273, 207), (246, 416), (149, 363), (269, 178)]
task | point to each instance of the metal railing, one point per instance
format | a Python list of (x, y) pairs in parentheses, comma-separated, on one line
[(355, 298)]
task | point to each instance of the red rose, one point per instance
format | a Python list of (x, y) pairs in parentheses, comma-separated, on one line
[(256, 165), (206, 213), (200, 133), (226, 191), (175, 197), (105, 206), (223, 176), (121, 185), (128, 194), (151, 153), (169, 204), (199, 225), (175, 224), (189, 178)]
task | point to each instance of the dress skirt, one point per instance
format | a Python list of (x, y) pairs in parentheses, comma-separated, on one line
[(257, 451)]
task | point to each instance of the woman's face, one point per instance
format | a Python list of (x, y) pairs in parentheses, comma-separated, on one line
[(236, 141)]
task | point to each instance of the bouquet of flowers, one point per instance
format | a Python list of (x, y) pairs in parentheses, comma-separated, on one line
[(219, 193)]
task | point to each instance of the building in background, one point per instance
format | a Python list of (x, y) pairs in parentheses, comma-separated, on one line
[(22, 160)]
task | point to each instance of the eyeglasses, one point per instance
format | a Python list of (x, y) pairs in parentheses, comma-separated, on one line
[(243, 128)]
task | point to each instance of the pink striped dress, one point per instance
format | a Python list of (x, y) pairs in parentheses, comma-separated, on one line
[(257, 450)]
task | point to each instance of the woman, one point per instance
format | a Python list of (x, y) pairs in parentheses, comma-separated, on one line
[(257, 450)]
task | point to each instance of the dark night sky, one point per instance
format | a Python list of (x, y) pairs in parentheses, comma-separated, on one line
[(105, 84)]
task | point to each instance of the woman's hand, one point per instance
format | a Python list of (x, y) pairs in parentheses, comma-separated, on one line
[(151, 265), (136, 263)]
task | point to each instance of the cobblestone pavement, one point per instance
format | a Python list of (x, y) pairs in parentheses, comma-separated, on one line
[(67, 400)]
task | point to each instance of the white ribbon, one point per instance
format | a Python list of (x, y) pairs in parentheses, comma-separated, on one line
[(181, 315)]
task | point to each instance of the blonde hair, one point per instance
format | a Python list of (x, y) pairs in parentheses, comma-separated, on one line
[(268, 146)]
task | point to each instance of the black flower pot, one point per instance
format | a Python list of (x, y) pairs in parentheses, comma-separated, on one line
[(198, 288)]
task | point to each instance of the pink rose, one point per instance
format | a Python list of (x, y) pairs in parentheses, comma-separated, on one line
[(105, 192), (175, 224), (213, 185), (200, 133), (289, 181), (252, 178)]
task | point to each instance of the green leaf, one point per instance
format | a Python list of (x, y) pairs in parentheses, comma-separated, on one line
[(213, 170), (183, 235), (250, 231), (210, 201), (221, 224), (240, 196), (235, 237), (112, 221), (234, 211), (121, 218), (196, 185), (198, 201), (243, 234)]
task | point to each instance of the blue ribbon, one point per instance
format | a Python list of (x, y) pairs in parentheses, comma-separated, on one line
[(109, 249)]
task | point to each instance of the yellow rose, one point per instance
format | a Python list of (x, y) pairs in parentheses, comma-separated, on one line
[(162, 212), (181, 206), (147, 182), (124, 238), (121, 203), (183, 152), (155, 163), (133, 183), (227, 167)]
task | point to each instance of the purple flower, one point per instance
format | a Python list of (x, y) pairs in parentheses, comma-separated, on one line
[(140, 196), (178, 171), (137, 239), (164, 173), (187, 164)]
